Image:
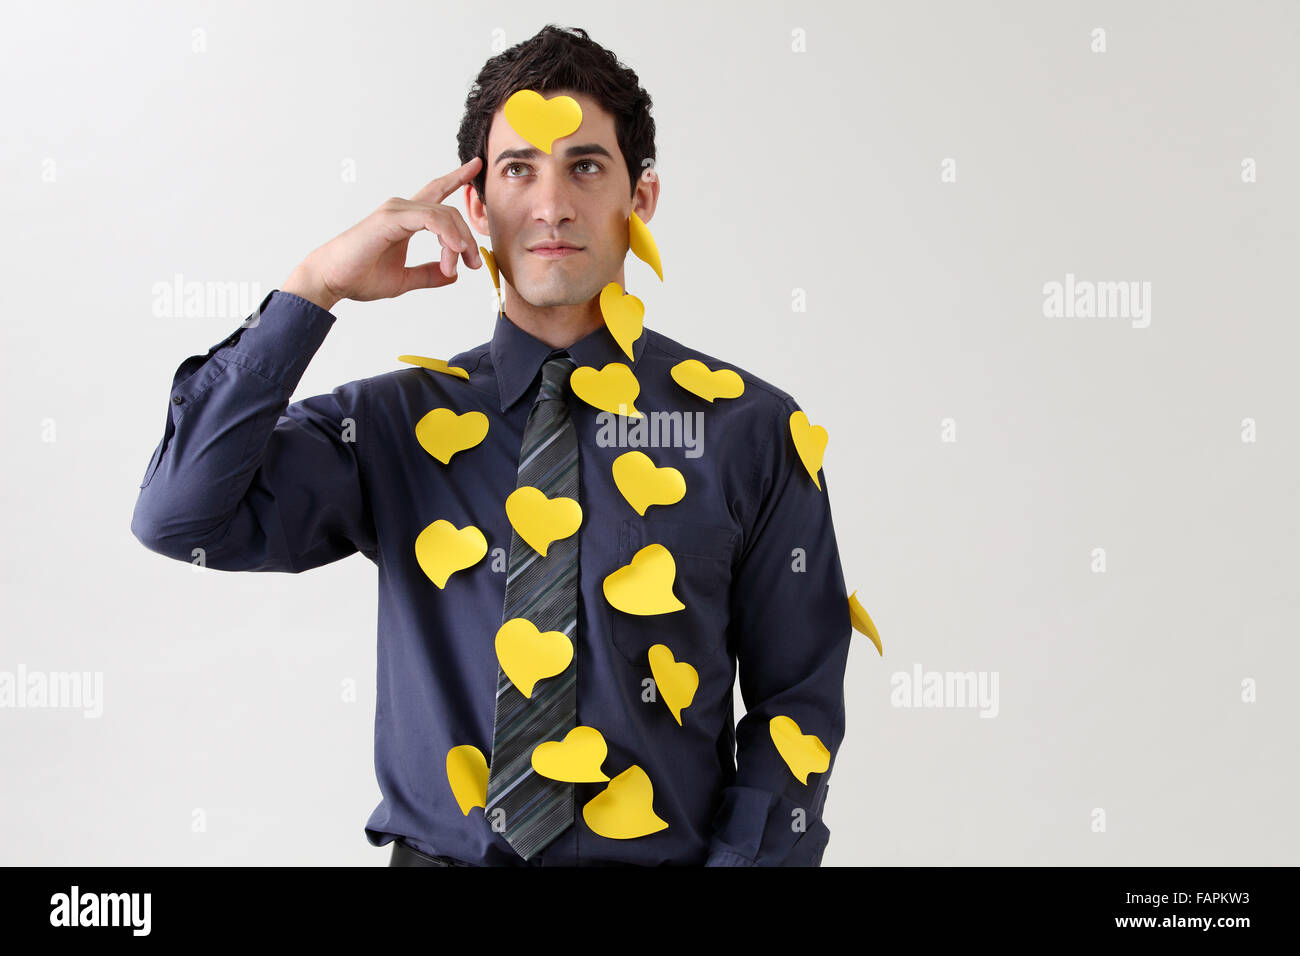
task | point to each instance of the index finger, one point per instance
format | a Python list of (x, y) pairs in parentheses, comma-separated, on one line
[(442, 187)]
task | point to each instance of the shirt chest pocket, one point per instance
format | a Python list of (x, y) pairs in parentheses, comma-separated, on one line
[(702, 555)]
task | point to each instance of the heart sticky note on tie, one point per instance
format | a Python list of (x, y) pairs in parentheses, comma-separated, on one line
[(677, 681), (802, 753), (612, 389), (643, 245), (541, 121), (697, 378), (645, 585), (528, 655), (467, 772), (539, 520), (643, 484), (442, 432), (623, 316), (576, 758), (436, 365), (810, 442), (862, 622), (442, 549), (624, 809)]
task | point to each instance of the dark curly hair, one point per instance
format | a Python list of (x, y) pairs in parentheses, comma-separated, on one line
[(556, 59)]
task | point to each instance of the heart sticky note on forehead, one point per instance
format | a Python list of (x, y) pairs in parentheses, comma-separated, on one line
[(541, 121), (442, 432)]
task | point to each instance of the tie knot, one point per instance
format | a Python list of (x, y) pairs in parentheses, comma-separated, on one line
[(555, 376)]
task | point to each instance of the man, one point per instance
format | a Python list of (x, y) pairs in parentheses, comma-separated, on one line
[(559, 621)]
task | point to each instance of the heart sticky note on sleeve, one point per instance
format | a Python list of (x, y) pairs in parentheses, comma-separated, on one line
[(612, 389), (576, 758), (527, 655), (442, 432), (698, 379), (541, 121), (802, 753), (442, 549), (677, 681), (810, 442), (862, 622), (624, 315), (644, 585), (539, 520), (625, 808), (643, 484), (467, 772)]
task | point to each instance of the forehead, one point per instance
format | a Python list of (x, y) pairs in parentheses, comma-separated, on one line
[(597, 127)]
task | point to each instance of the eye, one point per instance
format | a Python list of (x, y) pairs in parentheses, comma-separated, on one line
[(588, 162), (512, 166)]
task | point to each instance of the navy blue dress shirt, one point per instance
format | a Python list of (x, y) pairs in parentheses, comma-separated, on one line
[(260, 484)]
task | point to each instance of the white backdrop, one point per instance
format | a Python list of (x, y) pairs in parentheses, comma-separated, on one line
[(1100, 513)]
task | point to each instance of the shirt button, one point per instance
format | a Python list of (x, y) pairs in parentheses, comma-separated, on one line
[(177, 399)]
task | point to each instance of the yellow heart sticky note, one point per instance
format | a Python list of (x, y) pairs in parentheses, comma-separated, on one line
[(643, 245), (436, 365), (491, 262), (442, 549), (802, 753), (624, 315), (645, 585), (467, 772), (810, 442), (862, 622), (643, 484), (528, 655), (612, 389), (576, 758), (539, 520), (624, 809), (677, 681), (697, 378), (442, 432), (541, 121)]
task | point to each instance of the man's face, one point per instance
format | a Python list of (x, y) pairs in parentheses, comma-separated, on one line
[(579, 194)]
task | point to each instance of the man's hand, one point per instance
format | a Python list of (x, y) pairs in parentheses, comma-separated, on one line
[(368, 261)]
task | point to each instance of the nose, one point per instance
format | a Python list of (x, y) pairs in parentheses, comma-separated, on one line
[(552, 202)]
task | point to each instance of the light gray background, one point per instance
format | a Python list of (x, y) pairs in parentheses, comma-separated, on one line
[(781, 170)]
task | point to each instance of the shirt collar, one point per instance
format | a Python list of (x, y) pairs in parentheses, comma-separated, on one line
[(517, 356)]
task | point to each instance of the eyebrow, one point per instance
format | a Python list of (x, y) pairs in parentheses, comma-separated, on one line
[(531, 152)]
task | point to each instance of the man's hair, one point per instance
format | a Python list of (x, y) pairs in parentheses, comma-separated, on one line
[(555, 59)]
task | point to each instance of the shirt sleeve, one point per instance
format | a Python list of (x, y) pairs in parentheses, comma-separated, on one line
[(790, 630), (244, 481)]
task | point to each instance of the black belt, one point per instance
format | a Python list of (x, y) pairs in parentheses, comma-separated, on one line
[(404, 855)]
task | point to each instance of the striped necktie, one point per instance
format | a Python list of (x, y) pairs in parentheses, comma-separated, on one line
[(545, 591)]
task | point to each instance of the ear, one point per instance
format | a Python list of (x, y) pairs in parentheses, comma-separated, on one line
[(476, 211), (646, 196)]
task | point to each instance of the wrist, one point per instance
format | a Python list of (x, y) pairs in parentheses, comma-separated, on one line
[(305, 284)]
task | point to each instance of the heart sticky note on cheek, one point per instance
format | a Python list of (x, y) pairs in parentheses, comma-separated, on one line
[(802, 753), (467, 772), (624, 809), (643, 484), (442, 432), (541, 121), (645, 585), (442, 549)]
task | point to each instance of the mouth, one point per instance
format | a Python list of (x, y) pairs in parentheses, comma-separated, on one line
[(554, 252)]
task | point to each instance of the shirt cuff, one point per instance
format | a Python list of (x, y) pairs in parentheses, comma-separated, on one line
[(720, 857)]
